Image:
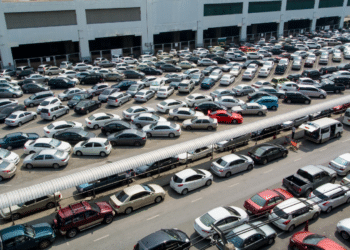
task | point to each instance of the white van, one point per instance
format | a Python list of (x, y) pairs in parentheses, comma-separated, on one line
[(346, 119), (322, 130)]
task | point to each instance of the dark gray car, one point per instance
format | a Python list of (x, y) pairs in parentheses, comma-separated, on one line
[(128, 137), (6, 103), (37, 98)]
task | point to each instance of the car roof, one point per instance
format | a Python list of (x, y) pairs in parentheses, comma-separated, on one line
[(186, 173), (247, 229), (18, 112), (329, 188), (219, 213), (291, 205), (99, 114), (155, 239), (145, 114), (230, 157), (43, 140), (169, 100), (268, 194), (135, 189), (11, 232), (73, 209), (97, 139), (6, 100), (47, 152), (163, 123), (252, 104), (55, 124), (345, 156)]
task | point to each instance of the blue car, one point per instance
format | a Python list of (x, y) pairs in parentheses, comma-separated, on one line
[(271, 102), (16, 140), (207, 83), (22, 237)]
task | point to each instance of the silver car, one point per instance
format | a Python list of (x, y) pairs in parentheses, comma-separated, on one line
[(103, 97), (144, 119), (47, 158), (229, 101), (167, 129), (118, 98), (10, 92), (134, 110), (183, 114), (7, 103), (69, 93), (38, 78), (53, 111), (231, 164), (250, 109), (296, 64), (18, 118), (144, 95), (222, 92), (98, 89), (243, 89), (37, 98), (200, 122), (343, 228), (7, 169), (195, 154)]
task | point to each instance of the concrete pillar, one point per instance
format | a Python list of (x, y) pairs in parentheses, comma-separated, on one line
[(83, 36), (314, 17), (313, 24), (280, 29), (243, 31), (147, 30), (5, 49), (343, 15), (199, 36)]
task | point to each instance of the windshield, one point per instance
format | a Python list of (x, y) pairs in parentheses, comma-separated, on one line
[(177, 179), (4, 153), (76, 97), (83, 133), (66, 91), (155, 84), (313, 239), (59, 153), (122, 196), (32, 97), (207, 220), (237, 241), (319, 194), (132, 88), (257, 199), (13, 116), (55, 143), (221, 162), (148, 188), (280, 213), (172, 234), (341, 161), (30, 231)]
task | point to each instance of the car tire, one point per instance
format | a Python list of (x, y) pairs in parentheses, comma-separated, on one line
[(333, 180), (128, 210), (228, 174), (65, 99), (158, 199), (54, 118), (138, 125), (50, 205), (234, 121), (274, 108), (321, 96), (176, 118), (184, 192), (344, 235), (210, 128), (79, 153), (307, 102), (34, 117), (250, 167), (96, 126), (44, 244), (171, 135), (264, 162), (32, 152), (289, 101), (208, 183), (67, 112), (337, 135), (29, 166), (188, 127), (329, 210), (337, 91), (291, 228), (260, 113), (103, 154), (284, 155), (308, 192), (72, 233), (14, 96), (56, 166), (108, 219), (315, 216), (19, 124)]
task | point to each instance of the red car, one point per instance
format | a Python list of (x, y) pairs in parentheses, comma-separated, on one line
[(341, 108), (226, 117), (246, 48), (266, 200), (307, 240), (80, 216), (283, 55)]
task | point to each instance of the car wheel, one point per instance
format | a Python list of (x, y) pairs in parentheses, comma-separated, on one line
[(210, 128), (337, 135), (284, 155), (274, 108), (54, 118), (72, 233), (184, 192), (108, 219), (114, 143), (171, 135), (44, 244), (176, 118), (321, 96), (234, 121), (31, 105), (208, 183), (29, 166), (79, 153), (34, 117), (264, 162), (149, 135), (138, 125), (96, 126), (14, 96), (333, 180), (307, 102), (250, 167), (158, 199), (329, 210), (103, 154), (260, 113), (128, 210), (50, 205), (344, 235), (19, 124), (188, 128), (291, 228), (16, 216), (228, 174), (82, 83), (336, 91), (308, 192), (315, 216), (56, 166), (289, 101)]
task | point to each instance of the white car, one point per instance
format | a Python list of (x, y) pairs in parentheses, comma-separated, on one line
[(168, 104), (55, 127), (96, 121), (229, 101), (156, 84), (254, 55), (264, 72), (225, 218), (35, 146), (130, 60), (341, 164), (47, 102), (81, 67), (93, 146), (347, 54), (337, 57), (227, 79), (216, 75), (206, 62), (195, 98), (249, 74), (288, 86), (228, 66), (183, 114), (311, 57), (343, 228), (135, 110), (292, 212), (165, 92), (195, 154), (329, 196), (254, 67), (147, 80), (265, 53), (284, 61), (94, 69), (98, 60), (104, 72), (190, 179), (71, 73), (236, 70), (9, 156), (269, 64)]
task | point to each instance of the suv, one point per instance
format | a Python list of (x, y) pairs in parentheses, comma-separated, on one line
[(186, 86), (54, 111), (37, 98), (80, 216), (92, 79), (311, 73), (296, 97)]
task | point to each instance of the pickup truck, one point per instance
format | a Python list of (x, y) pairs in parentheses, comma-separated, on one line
[(23, 71), (308, 179)]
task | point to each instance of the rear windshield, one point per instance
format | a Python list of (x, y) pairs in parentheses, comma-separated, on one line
[(44, 111), (319, 194), (55, 142), (257, 199), (313, 239), (122, 196), (341, 161), (280, 213), (5, 153), (95, 207), (45, 103), (207, 220), (177, 179), (304, 174), (59, 153), (183, 84), (50, 126), (13, 116), (221, 162), (259, 151)]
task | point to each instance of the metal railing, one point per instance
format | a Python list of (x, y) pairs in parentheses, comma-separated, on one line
[(166, 47), (137, 50)]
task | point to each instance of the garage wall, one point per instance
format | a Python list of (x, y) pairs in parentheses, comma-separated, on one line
[(112, 15)]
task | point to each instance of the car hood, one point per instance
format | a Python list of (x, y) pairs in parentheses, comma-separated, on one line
[(72, 102), (146, 128), (42, 230), (157, 188), (187, 122)]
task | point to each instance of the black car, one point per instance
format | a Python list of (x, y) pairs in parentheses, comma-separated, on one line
[(116, 126), (321, 114), (165, 239), (170, 68), (6, 112), (16, 140), (221, 60), (290, 48), (128, 137), (276, 51), (328, 70), (159, 64), (25, 81), (34, 88), (132, 74), (92, 79), (73, 135), (340, 79), (266, 152), (194, 59), (296, 97), (280, 69), (311, 73), (294, 77), (257, 95), (151, 71), (123, 85), (267, 132), (207, 71), (58, 83), (86, 106), (153, 168), (206, 106), (77, 98), (343, 66), (331, 87), (23, 73)]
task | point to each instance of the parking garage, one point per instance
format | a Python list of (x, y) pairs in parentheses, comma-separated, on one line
[(295, 26), (263, 30), (231, 32), (174, 40)]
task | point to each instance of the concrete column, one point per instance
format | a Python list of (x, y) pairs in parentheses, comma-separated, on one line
[(5, 47), (342, 17), (243, 32), (314, 17), (147, 27), (199, 35), (313, 23), (280, 29), (83, 35)]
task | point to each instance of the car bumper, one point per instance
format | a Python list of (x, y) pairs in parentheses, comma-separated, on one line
[(11, 124), (218, 173), (339, 172)]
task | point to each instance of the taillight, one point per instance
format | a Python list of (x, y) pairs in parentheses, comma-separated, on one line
[(89, 122), (286, 222), (326, 203), (25, 148), (206, 231), (6, 171), (220, 170), (60, 196), (299, 190), (180, 185), (257, 157), (105, 147), (63, 159), (47, 132), (143, 138), (49, 114), (116, 100)]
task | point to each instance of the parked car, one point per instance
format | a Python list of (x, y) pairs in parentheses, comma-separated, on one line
[(183, 114), (92, 79), (207, 83), (168, 104), (228, 101), (77, 98), (296, 97), (54, 127), (123, 85), (231, 164), (18, 118), (53, 111), (73, 135), (93, 146), (47, 158), (16, 140), (9, 156), (270, 102), (200, 122), (206, 106), (70, 93), (250, 109), (196, 98), (116, 126), (128, 137), (8, 170), (86, 106), (341, 164), (156, 167), (134, 110), (34, 88), (144, 95), (48, 102), (35, 146), (224, 116), (161, 129), (144, 119), (97, 120), (264, 153), (243, 89)]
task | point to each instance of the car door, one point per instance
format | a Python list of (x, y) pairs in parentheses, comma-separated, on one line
[(24, 242), (227, 223), (39, 161), (338, 198), (49, 160), (137, 201), (92, 218), (193, 182)]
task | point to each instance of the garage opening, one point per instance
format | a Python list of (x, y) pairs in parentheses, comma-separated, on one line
[(101, 47), (327, 23), (211, 35), (263, 30), (174, 40), (297, 26)]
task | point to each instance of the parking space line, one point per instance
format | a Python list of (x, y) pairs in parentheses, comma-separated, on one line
[(197, 199), (101, 238), (346, 140), (298, 159), (234, 185), (153, 217), (268, 171), (323, 149)]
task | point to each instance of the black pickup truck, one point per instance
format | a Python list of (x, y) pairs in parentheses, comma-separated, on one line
[(308, 179)]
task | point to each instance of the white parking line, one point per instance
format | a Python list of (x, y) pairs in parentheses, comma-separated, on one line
[(268, 171), (197, 199), (346, 140), (101, 238), (67, 244), (234, 185), (153, 217), (298, 159), (323, 149), (5, 185)]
